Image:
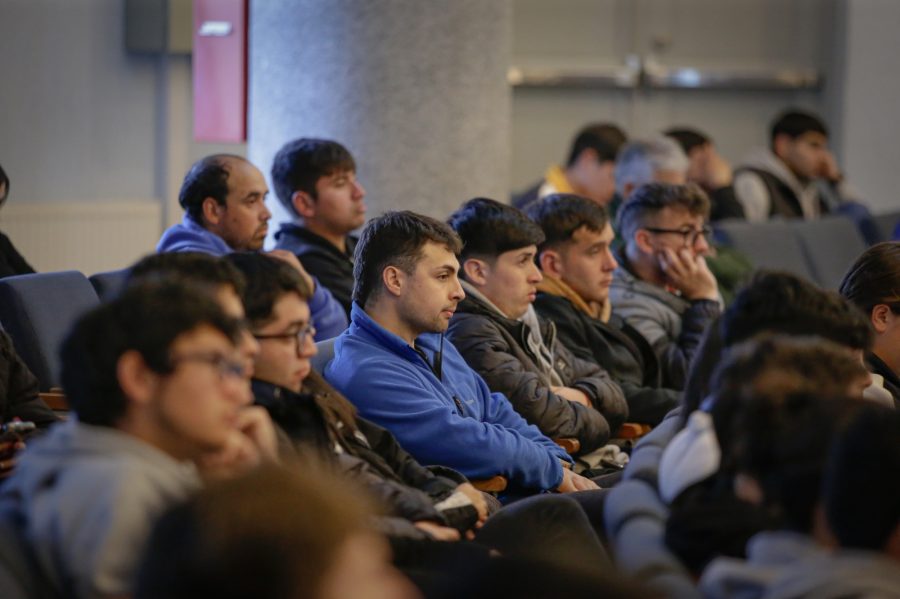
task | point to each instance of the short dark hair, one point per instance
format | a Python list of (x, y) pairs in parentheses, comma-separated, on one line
[(688, 138), (862, 481), (776, 366), (648, 200), (794, 123), (488, 228), (786, 303), (145, 318), (395, 239), (299, 164), (204, 270), (4, 180), (272, 533), (874, 278), (603, 138), (207, 178), (267, 279), (559, 215)]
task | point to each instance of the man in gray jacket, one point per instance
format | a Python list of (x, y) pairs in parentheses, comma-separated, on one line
[(663, 287), (501, 337), (158, 388)]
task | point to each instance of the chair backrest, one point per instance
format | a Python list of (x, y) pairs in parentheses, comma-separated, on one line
[(830, 244), (109, 284), (772, 245), (886, 224), (323, 356), (37, 311)]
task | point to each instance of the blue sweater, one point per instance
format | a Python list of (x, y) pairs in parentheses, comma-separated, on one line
[(188, 236), (454, 421)]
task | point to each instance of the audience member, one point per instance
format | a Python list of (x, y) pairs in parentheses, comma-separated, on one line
[(394, 365), (497, 331), (11, 261), (710, 171), (577, 264), (424, 504), (589, 171), (225, 211), (156, 387), (873, 284), (275, 533), (663, 287), (862, 506), (796, 176), (315, 180)]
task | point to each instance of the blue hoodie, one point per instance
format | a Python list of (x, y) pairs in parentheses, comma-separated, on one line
[(189, 236), (453, 421)]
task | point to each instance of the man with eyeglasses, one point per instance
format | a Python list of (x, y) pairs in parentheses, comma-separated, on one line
[(159, 393), (663, 287)]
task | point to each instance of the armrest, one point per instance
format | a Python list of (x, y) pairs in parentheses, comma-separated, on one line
[(495, 484), (632, 430), (571, 445), (55, 400)]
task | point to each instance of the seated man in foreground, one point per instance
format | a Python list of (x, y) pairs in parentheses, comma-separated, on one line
[(158, 388), (394, 365), (663, 287), (517, 354), (578, 265)]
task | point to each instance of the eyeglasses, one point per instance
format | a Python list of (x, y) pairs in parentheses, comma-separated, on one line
[(301, 335), (689, 235), (224, 367)]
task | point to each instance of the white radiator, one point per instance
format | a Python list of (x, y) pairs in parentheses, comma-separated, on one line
[(88, 236)]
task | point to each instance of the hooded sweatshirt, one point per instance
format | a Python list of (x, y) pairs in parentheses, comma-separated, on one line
[(86, 497), (782, 195)]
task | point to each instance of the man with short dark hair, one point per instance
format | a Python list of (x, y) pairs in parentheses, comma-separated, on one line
[(517, 353), (796, 176), (225, 211), (708, 169), (663, 287), (315, 180), (578, 264), (158, 389), (589, 171), (394, 365)]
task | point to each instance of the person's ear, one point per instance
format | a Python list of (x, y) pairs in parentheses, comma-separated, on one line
[(212, 211), (137, 380), (588, 157), (550, 263), (476, 271), (303, 203), (394, 279), (747, 488), (781, 145), (642, 239), (881, 318)]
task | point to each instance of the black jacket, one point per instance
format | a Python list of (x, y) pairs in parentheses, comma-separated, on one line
[(618, 348), (321, 259), (19, 389), (11, 261), (370, 455), (891, 380), (496, 348)]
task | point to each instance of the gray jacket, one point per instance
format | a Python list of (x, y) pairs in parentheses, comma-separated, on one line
[(87, 497), (844, 574), (671, 324)]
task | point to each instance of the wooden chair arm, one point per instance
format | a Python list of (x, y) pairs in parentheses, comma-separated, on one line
[(632, 430), (572, 446), (55, 400), (495, 484)]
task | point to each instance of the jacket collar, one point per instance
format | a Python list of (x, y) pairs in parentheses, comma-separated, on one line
[(557, 287), (291, 229), (362, 324)]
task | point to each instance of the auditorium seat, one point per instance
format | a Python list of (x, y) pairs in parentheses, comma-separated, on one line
[(37, 311), (109, 284), (886, 224), (772, 245), (830, 244)]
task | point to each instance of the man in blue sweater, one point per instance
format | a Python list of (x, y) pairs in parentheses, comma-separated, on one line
[(394, 365), (225, 211)]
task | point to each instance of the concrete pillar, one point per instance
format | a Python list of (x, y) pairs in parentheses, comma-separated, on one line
[(415, 89)]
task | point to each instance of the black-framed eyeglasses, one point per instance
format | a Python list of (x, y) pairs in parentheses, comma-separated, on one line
[(225, 367), (689, 235), (300, 335)]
